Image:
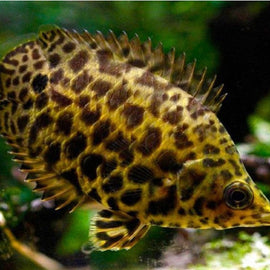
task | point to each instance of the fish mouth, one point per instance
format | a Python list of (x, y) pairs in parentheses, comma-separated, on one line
[(265, 218)]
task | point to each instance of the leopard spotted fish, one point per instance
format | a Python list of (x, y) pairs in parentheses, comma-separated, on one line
[(118, 122)]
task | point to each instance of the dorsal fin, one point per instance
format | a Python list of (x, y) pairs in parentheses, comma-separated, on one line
[(143, 55)]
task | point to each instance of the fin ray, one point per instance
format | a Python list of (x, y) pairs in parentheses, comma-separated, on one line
[(115, 230), (143, 55)]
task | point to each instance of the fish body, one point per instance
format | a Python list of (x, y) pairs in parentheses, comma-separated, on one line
[(129, 127)]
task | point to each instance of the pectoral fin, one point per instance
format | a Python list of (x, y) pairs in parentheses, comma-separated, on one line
[(113, 230)]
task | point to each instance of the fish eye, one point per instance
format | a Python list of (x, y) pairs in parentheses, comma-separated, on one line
[(238, 196)]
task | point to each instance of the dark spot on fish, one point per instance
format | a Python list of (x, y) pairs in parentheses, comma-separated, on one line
[(197, 113), (54, 60), (79, 61), (140, 174), (113, 184), (57, 76), (230, 149), (200, 130), (52, 154), (83, 100), (14, 108), (131, 196), (12, 127), (208, 162), (103, 56), (39, 64), (155, 104), (42, 121), (23, 94), (198, 206), (150, 141), (181, 140), (15, 81), (89, 117), (64, 123), (89, 165), (101, 131), (132, 213), (5, 70), (182, 212), (148, 79), (101, 87), (94, 194), (157, 182), (222, 141), (105, 213), (39, 83), (41, 100), (118, 143), (72, 176), (22, 121), (193, 179), (222, 129), (133, 114), (210, 149), (112, 203), (80, 82), (108, 224), (173, 117), (25, 58), (236, 167), (127, 156), (8, 83), (35, 54), (175, 97), (212, 205), (75, 145), (60, 99), (117, 97), (108, 167), (28, 105), (167, 162), (69, 47), (226, 175), (11, 95)]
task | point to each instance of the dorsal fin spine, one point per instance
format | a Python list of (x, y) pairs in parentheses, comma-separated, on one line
[(199, 86), (171, 59), (191, 74), (175, 70), (114, 44), (208, 91)]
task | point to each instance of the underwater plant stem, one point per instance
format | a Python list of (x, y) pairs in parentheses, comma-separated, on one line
[(36, 257)]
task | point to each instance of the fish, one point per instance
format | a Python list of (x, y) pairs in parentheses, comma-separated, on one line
[(119, 122)]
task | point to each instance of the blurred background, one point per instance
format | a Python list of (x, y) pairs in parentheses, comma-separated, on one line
[(233, 40)]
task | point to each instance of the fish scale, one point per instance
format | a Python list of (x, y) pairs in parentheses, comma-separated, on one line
[(128, 126)]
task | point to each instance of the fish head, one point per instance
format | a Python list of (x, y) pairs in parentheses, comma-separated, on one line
[(217, 192)]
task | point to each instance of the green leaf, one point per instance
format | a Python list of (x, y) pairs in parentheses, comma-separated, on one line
[(260, 128), (76, 233)]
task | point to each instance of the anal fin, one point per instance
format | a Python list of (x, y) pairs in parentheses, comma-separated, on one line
[(114, 230)]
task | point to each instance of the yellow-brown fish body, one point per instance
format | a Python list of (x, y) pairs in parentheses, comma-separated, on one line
[(130, 127)]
